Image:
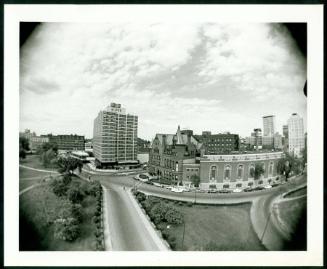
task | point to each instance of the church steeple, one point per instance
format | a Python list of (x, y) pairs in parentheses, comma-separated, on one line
[(179, 136)]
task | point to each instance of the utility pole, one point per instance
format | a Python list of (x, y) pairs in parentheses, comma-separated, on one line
[(183, 234), (268, 219)]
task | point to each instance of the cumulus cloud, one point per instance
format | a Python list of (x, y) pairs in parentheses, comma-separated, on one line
[(202, 76)]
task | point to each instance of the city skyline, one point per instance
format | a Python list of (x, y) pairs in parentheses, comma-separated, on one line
[(199, 76)]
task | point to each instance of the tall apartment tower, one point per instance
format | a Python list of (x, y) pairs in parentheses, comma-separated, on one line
[(268, 125), (115, 137), (295, 134)]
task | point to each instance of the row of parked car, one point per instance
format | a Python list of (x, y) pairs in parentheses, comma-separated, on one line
[(147, 178)]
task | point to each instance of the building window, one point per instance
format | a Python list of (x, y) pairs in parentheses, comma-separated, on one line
[(251, 171), (227, 172), (271, 169), (240, 169), (213, 172)]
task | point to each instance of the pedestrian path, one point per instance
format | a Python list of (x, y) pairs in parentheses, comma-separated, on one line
[(39, 170)]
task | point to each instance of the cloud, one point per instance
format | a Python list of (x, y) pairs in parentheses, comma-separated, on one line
[(202, 76)]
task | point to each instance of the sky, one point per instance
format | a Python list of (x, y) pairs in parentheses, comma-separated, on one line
[(201, 76)]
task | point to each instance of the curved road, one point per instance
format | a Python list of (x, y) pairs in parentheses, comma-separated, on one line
[(128, 231)]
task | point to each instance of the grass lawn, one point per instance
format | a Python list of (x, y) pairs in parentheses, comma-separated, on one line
[(221, 227), (292, 211), (39, 205), (29, 177), (26, 183), (34, 162)]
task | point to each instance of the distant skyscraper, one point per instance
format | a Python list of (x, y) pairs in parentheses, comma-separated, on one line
[(268, 125), (115, 137), (295, 134)]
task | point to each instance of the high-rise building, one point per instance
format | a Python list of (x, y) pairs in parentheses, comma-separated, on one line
[(115, 138), (295, 134), (278, 142), (268, 125), (285, 137)]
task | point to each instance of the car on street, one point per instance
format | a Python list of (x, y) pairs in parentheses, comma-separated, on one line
[(225, 191), (176, 190), (157, 184), (248, 189), (213, 191), (258, 188), (268, 187), (275, 184), (237, 190)]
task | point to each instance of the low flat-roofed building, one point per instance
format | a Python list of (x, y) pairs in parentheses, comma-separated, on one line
[(234, 170)]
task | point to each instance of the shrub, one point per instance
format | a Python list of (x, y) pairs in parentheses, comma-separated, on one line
[(97, 213), (96, 219), (94, 187), (173, 216), (66, 229), (98, 208), (59, 188), (140, 196), (66, 179), (98, 233), (158, 212), (75, 195), (77, 212)]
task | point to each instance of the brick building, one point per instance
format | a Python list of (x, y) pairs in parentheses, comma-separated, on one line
[(218, 143), (170, 154), (67, 142)]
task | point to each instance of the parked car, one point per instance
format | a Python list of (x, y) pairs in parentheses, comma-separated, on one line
[(225, 191), (258, 188), (157, 184), (213, 191), (248, 189), (267, 186), (176, 190), (237, 190), (275, 184)]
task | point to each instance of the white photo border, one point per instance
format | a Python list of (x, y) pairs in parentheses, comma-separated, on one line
[(310, 14)]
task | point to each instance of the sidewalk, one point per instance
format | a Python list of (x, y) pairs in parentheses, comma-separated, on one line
[(39, 170)]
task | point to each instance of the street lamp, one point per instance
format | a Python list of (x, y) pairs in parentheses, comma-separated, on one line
[(183, 234), (268, 219)]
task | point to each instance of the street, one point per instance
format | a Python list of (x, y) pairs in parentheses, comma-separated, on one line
[(127, 229)]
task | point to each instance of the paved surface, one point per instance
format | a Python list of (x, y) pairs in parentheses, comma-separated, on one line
[(39, 170), (263, 216), (127, 228)]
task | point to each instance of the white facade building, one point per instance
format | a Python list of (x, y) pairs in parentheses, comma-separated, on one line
[(115, 137), (295, 134), (268, 125)]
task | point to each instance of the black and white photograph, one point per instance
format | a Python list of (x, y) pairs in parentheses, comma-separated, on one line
[(166, 136)]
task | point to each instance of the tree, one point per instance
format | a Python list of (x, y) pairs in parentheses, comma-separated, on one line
[(174, 217), (46, 146), (67, 165), (258, 170), (48, 158), (158, 212), (195, 180), (74, 193), (66, 229), (23, 147), (59, 188), (24, 143)]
